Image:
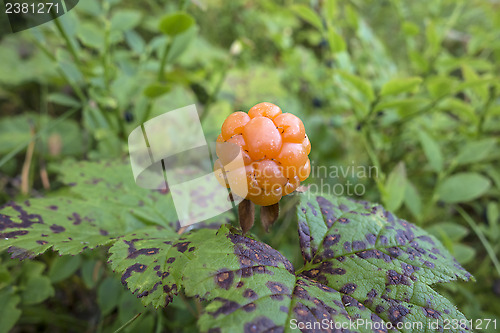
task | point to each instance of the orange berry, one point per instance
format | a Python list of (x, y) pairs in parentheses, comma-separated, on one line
[(229, 150), (275, 150), (307, 144), (268, 173), (292, 156), (291, 185), (305, 171), (267, 197), (290, 127), (262, 138), (234, 124), (264, 109)]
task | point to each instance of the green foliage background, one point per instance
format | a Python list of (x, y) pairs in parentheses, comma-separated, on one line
[(409, 87)]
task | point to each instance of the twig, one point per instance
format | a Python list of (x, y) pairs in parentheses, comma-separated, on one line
[(44, 175), (128, 323), (27, 163), (480, 235)]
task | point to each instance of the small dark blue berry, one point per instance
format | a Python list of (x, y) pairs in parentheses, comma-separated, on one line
[(317, 103), (129, 116)]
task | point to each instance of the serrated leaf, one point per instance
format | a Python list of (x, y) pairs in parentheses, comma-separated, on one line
[(252, 287), (78, 220), (152, 262), (431, 150), (388, 267), (176, 23), (400, 85), (463, 187), (381, 274), (308, 15)]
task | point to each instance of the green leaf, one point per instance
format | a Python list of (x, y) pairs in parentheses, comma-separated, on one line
[(362, 85), (91, 35), (398, 86), (410, 28), (108, 295), (37, 290), (308, 15), (135, 41), (180, 44), (389, 265), (404, 104), (395, 187), (464, 253), (380, 274), (413, 200), (78, 220), (91, 273), (63, 267), (448, 230), (440, 86), (176, 23), (155, 90), (432, 151), (124, 20), (337, 43), (476, 151), (330, 10), (64, 100), (10, 313), (463, 187), (152, 262)]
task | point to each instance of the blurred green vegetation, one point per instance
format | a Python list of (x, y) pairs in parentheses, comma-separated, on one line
[(409, 87)]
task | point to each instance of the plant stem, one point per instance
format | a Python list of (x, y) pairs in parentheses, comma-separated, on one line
[(161, 70), (480, 235), (68, 42), (484, 113), (128, 323), (75, 87)]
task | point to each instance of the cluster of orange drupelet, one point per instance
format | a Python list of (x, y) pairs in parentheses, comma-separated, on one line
[(274, 147)]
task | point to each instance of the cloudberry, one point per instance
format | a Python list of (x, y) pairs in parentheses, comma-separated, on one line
[(274, 147)]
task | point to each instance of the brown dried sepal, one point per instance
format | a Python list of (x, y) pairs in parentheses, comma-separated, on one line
[(269, 214), (246, 212)]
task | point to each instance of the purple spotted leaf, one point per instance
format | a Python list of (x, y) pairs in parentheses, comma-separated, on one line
[(252, 288), (102, 202), (362, 265), (151, 262), (383, 262)]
